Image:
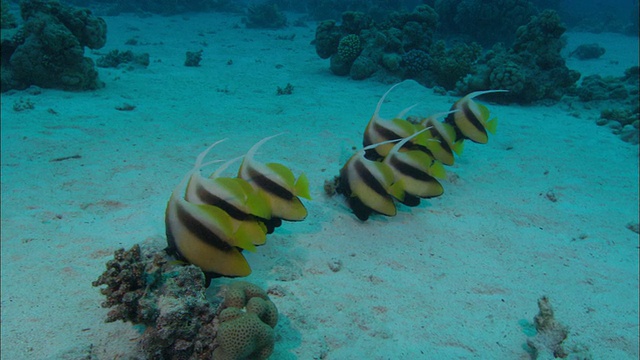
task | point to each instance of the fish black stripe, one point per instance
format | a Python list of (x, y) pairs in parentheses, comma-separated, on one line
[(473, 119), (409, 170), (200, 230), (385, 133), (450, 119), (435, 134), (269, 185), (368, 178), (210, 198)]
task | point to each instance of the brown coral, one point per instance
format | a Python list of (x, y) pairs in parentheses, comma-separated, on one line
[(125, 285), (146, 286)]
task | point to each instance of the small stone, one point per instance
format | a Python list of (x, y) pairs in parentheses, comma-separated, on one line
[(335, 265), (614, 125), (629, 134), (277, 290), (551, 195), (633, 226)]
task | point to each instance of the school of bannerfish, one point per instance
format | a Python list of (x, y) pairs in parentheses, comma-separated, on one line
[(211, 220)]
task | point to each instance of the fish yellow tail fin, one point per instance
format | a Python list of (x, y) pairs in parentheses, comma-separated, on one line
[(492, 125), (437, 170), (302, 187), (458, 147)]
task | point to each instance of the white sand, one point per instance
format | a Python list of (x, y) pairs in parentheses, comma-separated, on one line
[(449, 279)]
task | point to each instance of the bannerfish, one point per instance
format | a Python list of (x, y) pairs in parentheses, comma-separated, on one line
[(379, 130), (278, 184), (204, 235), (369, 186), (235, 196), (472, 120), (446, 145), (416, 170)]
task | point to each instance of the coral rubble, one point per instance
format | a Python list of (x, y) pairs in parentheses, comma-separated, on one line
[(145, 286), (550, 332), (47, 50), (115, 58), (550, 336), (616, 99), (193, 58)]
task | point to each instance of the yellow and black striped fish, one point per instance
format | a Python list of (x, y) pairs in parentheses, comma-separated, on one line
[(278, 184), (409, 170), (445, 146), (235, 196), (416, 171), (204, 235), (369, 186), (380, 130), (472, 119)]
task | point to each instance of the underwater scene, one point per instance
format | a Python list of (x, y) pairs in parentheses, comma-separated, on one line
[(319, 179)]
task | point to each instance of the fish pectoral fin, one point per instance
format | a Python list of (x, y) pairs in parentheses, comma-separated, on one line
[(284, 172), (424, 138), (232, 186), (214, 215), (405, 126), (397, 190), (259, 205), (384, 170), (244, 238)]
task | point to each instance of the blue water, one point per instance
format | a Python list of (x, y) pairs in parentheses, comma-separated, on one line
[(547, 207)]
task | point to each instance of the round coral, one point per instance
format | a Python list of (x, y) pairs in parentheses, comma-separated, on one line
[(349, 48), (415, 62), (327, 39), (246, 334), (239, 293), (362, 68), (391, 61), (243, 335), (507, 76)]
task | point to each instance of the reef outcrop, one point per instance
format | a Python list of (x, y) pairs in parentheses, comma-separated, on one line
[(484, 21), (532, 69), (145, 286), (47, 50), (360, 47), (406, 45)]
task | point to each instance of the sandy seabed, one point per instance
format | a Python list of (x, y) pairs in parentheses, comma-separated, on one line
[(453, 278)]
